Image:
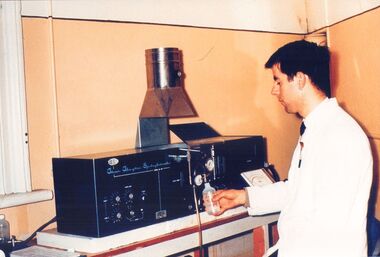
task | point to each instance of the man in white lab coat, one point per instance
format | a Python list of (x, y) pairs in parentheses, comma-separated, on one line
[(323, 204)]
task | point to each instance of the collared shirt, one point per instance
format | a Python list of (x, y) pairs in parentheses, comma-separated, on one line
[(323, 203)]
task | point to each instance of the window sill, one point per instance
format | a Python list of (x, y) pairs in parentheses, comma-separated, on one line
[(17, 199)]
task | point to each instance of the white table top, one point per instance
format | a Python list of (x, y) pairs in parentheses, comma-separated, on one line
[(160, 239)]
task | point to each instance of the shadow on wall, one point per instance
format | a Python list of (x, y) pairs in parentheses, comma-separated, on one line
[(334, 74)]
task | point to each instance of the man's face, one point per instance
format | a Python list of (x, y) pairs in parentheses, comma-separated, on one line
[(285, 90)]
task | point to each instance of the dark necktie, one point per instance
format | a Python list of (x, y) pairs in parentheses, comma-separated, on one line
[(302, 129)]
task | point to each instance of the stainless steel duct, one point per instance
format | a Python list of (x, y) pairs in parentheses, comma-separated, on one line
[(165, 96)]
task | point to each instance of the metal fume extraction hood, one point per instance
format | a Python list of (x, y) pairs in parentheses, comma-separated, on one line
[(165, 97)]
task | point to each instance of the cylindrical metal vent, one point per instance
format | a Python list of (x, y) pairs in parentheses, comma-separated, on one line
[(165, 96), (163, 67)]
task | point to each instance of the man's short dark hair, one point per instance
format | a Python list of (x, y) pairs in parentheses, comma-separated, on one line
[(306, 57)]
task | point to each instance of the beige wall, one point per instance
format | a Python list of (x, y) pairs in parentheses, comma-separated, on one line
[(355, 71), (86, 82)]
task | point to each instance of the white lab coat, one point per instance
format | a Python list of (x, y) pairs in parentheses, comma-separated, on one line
[(324, 202)]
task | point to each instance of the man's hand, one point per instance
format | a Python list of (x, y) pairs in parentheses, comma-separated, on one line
[(229, 199)]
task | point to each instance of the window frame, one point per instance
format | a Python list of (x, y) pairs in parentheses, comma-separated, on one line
[(14, 150)]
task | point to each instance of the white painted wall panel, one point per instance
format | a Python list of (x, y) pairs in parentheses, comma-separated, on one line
[(262, 15), (295, 16), (369, 4), (322, 13), (39, 8), (315, 14), (338, 10)]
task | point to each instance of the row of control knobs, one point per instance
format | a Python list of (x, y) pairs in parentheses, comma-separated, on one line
[(121, 207)]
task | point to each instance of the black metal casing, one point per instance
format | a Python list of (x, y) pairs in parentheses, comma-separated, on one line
[(104, 194), (230, 157)]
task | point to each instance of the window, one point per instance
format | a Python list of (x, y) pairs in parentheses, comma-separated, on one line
[(15, 183), (14, 156)]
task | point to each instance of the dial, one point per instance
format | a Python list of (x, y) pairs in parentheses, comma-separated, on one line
[(134, 214), (198, 180), (115, 199), (129, 196), (210, 165), (116, 215)]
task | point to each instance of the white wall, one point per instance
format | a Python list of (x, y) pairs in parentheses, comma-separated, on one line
[(293, 16), (322, 13), (261, 15)]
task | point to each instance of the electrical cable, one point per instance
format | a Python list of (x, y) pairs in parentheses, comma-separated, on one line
[(23, 244)]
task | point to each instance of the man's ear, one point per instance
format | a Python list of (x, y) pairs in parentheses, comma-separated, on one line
[(300, 79)]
